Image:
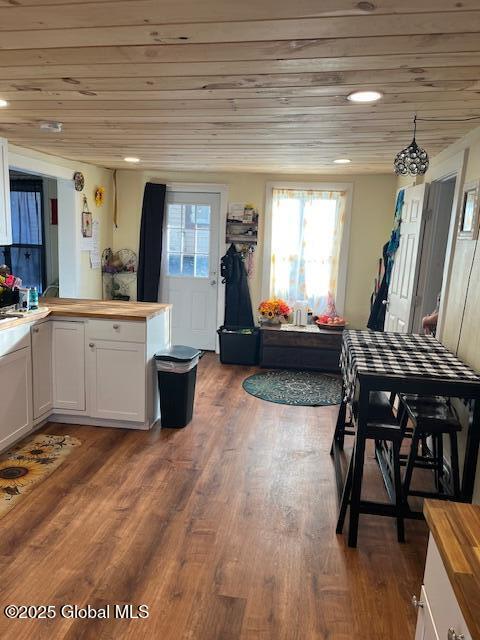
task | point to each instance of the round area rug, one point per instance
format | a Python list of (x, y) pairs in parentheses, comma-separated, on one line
[(300, 388)]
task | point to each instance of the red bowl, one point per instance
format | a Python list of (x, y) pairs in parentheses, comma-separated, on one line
[(325, 325)]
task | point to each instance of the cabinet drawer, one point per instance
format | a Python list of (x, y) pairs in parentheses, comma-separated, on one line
[(14, 339), (116, 330), (445, 610)]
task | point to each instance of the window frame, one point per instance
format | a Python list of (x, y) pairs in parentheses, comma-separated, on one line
[(30, 185), (347, 188), (182, 253)]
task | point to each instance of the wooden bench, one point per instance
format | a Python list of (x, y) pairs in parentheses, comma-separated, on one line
[(290, 347)]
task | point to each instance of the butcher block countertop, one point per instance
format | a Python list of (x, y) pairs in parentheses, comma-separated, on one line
[(108, 309), (104, 308), (456, 529)]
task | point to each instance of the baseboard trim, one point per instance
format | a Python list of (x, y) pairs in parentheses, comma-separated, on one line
[(99, 422)]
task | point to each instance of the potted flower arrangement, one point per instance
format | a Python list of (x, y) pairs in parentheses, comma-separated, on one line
[(274, 310), (8, 287)]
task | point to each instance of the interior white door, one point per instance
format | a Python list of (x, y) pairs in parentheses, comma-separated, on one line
[(189, 278), (403, 280)]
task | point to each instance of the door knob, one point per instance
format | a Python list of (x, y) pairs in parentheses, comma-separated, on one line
[(213, 283), (454, 636), (36, 330), (91, 345), (418, 604)]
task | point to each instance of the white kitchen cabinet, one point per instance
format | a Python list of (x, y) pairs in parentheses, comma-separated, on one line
[(99, 372), (425, 625), (5, 216), (115, 374), (430, 633), (439, 614), (42, 369), (16, 417), (68, 362)]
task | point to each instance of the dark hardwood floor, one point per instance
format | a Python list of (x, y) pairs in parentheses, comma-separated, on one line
[(225, 529)]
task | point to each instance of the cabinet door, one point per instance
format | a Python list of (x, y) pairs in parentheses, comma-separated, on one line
[(430, 631), (420, 628), (68, 357), (442, 601), (425, 625), (16, 405), (42, 369), (5, 217), (116, 380)]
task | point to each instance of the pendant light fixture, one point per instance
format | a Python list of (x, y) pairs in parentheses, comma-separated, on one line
[(413, 159)]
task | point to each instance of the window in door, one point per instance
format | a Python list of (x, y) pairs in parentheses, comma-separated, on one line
[(26, 256), (188, 240), (306, 240)]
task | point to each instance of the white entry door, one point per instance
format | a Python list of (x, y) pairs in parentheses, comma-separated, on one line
[(401, 292), (190, 266)]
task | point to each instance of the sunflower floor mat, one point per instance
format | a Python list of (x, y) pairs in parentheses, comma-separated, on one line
[(28, 463)]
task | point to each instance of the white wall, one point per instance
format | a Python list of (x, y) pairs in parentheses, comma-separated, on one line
[(77, 279)]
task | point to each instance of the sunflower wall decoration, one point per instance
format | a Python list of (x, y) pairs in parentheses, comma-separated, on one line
[(99, 196)]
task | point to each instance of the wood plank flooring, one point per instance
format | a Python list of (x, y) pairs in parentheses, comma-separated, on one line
[(225, 529)]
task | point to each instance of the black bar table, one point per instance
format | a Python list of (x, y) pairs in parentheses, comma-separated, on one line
[(402, 363)]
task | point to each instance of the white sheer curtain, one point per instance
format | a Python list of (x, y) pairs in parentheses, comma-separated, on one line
[(307, 229)]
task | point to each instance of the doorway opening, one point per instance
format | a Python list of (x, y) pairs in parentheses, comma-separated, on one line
[(433, 250), (33, 254), (418, 269)]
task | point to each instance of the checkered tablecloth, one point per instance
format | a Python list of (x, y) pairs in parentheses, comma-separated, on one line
[(397, 354)]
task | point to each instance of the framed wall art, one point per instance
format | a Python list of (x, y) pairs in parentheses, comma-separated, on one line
[(86, 220), (468, 223)]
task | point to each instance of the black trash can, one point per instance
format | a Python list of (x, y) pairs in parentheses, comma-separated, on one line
[(239, 345), (177, 374)]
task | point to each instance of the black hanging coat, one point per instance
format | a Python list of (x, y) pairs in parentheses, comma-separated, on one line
[(376, 320), (238, 306)]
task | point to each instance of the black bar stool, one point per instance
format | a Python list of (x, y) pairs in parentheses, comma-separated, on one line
[(431, 417), (379, 410), (382, 426)]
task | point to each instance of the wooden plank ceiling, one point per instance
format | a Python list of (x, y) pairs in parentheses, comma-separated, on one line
[(250, 85)]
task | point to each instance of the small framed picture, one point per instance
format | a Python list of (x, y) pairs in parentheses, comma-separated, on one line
[(468, 224), (86, 224)]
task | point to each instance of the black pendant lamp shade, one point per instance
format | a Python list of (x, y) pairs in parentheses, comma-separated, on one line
[(413, 160)]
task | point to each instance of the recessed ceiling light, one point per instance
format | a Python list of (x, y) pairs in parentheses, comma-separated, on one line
[(131, 159), (3, 103), (364, 96), (342, 161)]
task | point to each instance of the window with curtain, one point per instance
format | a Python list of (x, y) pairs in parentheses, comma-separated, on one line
[(307, 229), (26, 256)]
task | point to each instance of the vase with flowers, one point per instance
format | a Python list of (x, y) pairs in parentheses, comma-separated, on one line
[(274, 311)]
